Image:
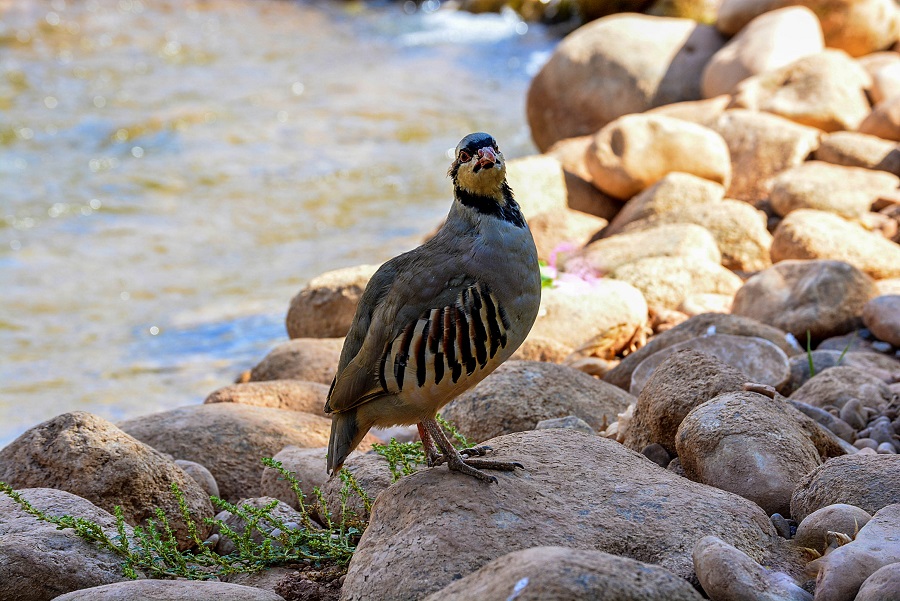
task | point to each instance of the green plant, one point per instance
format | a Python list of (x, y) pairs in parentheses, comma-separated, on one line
[(404, 458), (809, 357), (264, 540)]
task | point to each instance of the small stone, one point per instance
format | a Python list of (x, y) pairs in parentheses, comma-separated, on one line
[(840, 517), (886, 448), (571, 422), (310, 359), (865, 443), (852, 413), (781, 525), (325, 307), (853, 149), (884, 120), (882, 316), (201, 476), (656, 453)]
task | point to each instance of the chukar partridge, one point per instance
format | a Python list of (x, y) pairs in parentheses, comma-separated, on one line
[(434, 321)]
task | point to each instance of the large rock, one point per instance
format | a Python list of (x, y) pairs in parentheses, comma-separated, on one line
[(812, 532), (762, 145), (581, 194), (88, 456), (810, 234), (39, 562), (853, 149), (601, 318), (310, 359), (875, 364), (294, 395), (882, 316), (704, 324), (855, 26), (843, 571), (869, 482), (825, 90), (539, 184), (702, 112), (521, 393), (307, 466), (667, 281), (230, 439), (325, 307), (748, 444), (884, 120), (615, 66), (635, 151), (758, 359), (834, 386), (882, 585), (562, 573), (770, 41), (577, 490), (561, 228), (824, 298), (686, 379), (846, 191), (171, 590)]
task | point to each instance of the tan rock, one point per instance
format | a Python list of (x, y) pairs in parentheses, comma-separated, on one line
[(572, 574), (325, 307), (674, 191), (541, 348), (825, 90), (372, 473), (633, 152), (888, 286), (538, 183), (846, 191), (840, 517), (808, 234), (614, 66), (835, 386), (40, 562), (207, 434), (885, 83), (171, 590), (667, 281), (521, 393), (112, 468), (561, 228), (702, 112), (762, 145), (822, 297), (705, 302), (308, 467), (309, 359), (882, 316), (770, 41), (881, 585), (604, 256), (853, 149), (237, 523), (734, 15), (869, 482), (581, 194), (201, 476), (601, 497), (884, 120), (294, 395), (601, 318)]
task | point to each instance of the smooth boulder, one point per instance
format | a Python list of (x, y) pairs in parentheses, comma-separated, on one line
[(882, 316), (869, 482), (310, 359), (293, 395), (326, 305)]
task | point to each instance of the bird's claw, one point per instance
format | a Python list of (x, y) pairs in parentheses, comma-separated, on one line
[(475, 451)]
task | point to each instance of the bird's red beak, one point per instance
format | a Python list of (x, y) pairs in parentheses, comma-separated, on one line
[(487, 158)]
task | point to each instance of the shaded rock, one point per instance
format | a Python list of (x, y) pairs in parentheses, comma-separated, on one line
[(667, 281), (326, 306), (581, 194), (614, 66), (112, 467), (748, 444), (294, 395), (882, 316), (884, 120), (756, 358), (697, 326), (600, 318), (833, 424), (610, 498), (569, 422), (837, 385), (39, 562), (825, 90), (171, 590), (738, 229), (201, 476), (542, 573), (562, 226), (281, 511), (685, 379), (770, 41), (373, 474), (851, 342), (541, 348), (824, 298), (726, 572), (307, 466), (519, 394), (762, 145), (809, 234), (674, 191), (230, 439), (310, 359), (840, 517), (874, 364), (842, 572), (635, 151), (539, 184), (854, 149), (846, 191), (702, 112), (869, 482), (603, 256), (882, 585)]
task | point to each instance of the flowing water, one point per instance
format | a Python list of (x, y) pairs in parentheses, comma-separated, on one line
[(173, 171)]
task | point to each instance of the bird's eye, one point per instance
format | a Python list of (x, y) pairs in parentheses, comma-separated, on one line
[(464, 156)]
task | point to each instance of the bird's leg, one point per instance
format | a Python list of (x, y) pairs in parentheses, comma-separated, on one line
[(432, 456), (456, 462)]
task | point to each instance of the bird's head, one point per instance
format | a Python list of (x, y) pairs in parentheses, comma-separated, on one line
[(478, 167)]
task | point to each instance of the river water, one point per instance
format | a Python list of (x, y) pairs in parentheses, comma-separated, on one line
[(173, 171)]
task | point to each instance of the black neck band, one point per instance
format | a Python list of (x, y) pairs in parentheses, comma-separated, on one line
[(507, 210)]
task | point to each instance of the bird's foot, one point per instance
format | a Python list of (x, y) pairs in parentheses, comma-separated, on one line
[(435, 459), (470, 467), (475, 452)]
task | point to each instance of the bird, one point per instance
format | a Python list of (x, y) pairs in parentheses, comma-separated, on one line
[(434, 321)]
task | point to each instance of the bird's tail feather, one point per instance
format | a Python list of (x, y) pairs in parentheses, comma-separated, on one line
[(346, 434)]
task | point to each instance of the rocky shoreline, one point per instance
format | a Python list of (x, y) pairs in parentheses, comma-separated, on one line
[(708, 405)]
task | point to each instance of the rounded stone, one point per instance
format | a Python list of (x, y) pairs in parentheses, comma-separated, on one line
[(839, 517), (325, 307), (869, 482), (882, 316)]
